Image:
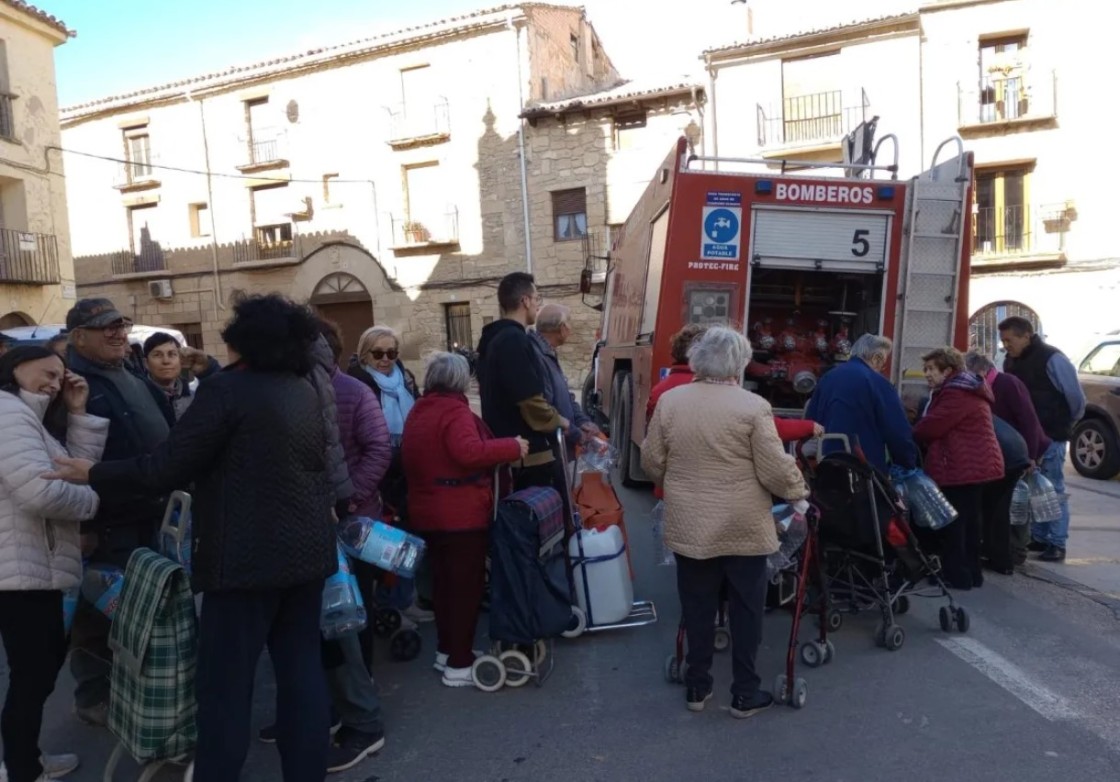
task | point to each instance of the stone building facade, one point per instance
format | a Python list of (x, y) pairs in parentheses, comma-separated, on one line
[(381, 180), (36, 270), (597, 153)]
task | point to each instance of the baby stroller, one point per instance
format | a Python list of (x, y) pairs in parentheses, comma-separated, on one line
[(531, 600), (873, 560)]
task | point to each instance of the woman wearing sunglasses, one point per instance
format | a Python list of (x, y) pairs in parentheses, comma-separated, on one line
[(378, 365)]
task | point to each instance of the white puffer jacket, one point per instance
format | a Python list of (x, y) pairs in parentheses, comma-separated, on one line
[(39, 541)]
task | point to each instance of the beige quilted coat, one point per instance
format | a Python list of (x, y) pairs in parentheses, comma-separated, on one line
[(39, 543), (716, 452)]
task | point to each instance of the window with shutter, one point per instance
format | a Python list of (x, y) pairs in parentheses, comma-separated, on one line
[(569, 214)]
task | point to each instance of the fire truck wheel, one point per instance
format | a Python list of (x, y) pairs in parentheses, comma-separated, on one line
[(621, 428)]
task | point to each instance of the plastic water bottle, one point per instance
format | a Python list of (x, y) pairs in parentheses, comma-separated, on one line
[(343, 610), (1021, 503), (101, 586), (1045, 505), (928, 506), (379, 544), (69, 607)]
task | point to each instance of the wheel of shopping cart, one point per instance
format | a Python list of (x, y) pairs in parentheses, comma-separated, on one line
[(580, 625), (890, 637), (901, 604), (722, 639), (833, 620), (674, 670), (817, 653), (951, 618), (488, 673), (518, 668), (795, 695), (387, 621), (405, 645)]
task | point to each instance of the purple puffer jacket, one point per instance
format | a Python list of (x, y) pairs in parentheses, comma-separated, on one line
[(365, 441)]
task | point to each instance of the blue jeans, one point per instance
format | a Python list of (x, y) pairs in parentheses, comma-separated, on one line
[(1053, 466)]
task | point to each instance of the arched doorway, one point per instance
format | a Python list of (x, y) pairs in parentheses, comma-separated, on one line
[(342, 298), (15, 320), (983, 326)]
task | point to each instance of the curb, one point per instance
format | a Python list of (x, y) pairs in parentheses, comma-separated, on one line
[(1039, 573)]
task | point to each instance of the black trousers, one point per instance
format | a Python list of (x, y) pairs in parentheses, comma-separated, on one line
[(995, 501), (960, 541), (35, 643), (233, 630), (698, 583)]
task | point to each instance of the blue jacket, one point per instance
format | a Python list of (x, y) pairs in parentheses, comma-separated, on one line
[(855, 400)]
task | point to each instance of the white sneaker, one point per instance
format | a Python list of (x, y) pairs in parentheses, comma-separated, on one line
[(58, 766), (440, 664), (458, 677)]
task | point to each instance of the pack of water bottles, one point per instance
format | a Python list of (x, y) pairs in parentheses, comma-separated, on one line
[(344, 612), (381, 545), (102, 586), (927, 505)]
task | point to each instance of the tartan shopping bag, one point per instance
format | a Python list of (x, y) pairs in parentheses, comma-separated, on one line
[(154, 641)]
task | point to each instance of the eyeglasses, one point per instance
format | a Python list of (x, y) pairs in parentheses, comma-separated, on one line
[(122, 329), (380, 354)]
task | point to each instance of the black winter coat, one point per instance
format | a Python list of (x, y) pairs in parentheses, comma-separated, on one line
[(255, 446), (124, 506)]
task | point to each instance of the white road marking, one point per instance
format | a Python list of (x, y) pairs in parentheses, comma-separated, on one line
[(1010, 677)]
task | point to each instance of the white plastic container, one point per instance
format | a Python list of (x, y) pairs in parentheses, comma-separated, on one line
[(608, 575)]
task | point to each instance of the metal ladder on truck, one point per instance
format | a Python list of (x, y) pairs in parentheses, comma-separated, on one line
[(931, 266)]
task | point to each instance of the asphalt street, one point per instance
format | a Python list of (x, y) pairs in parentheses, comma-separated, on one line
[(1032, 692)]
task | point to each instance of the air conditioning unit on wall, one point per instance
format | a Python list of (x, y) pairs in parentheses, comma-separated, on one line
[(160, 289)]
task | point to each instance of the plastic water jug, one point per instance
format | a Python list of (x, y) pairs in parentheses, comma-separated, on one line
[(928, 506), (101, 586), (1045, 504), (603, 564), (379, 544), (792, 530), (1021, 503), (663, 555), (343, 610)]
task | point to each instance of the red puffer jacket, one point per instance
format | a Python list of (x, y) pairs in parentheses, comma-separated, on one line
[(958, 434), (449, 457)]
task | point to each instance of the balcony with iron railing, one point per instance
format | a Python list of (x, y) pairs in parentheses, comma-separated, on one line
[(137, 175), (425, 231), (7, 117), (28, 258), (263, 249), (811, 120), (1008, 98), (1021, 232), (419, 123), (266, 148), (148, 260)]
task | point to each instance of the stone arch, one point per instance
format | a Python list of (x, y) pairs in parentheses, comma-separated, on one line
[(15, 320), (341, 298), (983, 331), (339, 287)]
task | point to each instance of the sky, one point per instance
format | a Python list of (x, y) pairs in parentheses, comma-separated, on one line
[(123, 45)]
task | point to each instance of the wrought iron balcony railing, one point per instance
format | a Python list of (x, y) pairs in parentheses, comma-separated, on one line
[(412, 122), (807, 119)]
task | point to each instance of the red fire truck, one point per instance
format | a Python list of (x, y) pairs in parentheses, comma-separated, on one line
[(803, 263)]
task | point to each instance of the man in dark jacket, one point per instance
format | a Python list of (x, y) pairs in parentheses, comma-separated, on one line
[(553, 328), (856, 400), (1056, 393), (1014, 407), (140, 419), (511, 387)]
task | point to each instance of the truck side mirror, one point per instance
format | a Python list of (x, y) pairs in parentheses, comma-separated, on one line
[(585, 282)]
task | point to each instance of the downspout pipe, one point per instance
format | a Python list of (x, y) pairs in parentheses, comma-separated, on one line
[(712, 73), (521, 149), (218, 303)]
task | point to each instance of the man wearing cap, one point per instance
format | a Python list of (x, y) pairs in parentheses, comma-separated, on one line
[(140, 418)]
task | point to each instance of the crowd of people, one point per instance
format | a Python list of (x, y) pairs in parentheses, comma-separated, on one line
[(714, 451), (286, 439), (275, 447)]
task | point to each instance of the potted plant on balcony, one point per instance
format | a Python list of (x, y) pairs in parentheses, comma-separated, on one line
[(416, 233)]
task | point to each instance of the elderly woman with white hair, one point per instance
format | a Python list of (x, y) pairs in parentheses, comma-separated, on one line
[(714, 449), (449, 456)]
